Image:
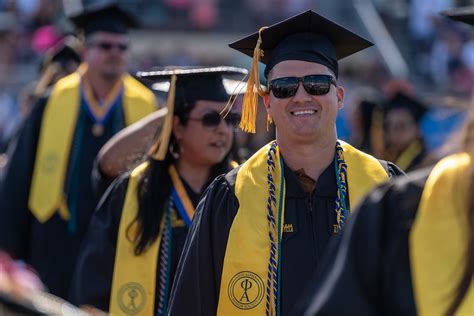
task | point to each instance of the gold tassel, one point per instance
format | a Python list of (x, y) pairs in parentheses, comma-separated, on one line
[(249, 107), (159, 149), (46, 79), (233, 97)]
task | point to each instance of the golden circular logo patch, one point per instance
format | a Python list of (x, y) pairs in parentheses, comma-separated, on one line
[(246, 290), (131, 298), (50, 163)]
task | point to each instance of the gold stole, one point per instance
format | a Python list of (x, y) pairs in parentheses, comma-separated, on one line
[(244, 274), (56, 135), (134, 278), (438, 239), (408, 155)]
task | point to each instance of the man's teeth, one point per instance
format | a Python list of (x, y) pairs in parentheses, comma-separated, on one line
[(303, 112)]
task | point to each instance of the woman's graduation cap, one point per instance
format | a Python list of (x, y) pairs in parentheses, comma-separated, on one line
[(62, 53), (102, 16), (186, 86), (308, 37), (403, 101)]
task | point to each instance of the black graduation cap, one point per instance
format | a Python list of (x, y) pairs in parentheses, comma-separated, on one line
[(307, 36), (403, 101), (194, 83), (463, 14), (187, 85), (103, 16), (62, 53)]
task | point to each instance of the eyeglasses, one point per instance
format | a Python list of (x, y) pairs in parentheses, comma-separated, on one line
[(286, 87), (213, 119), (107, 46)]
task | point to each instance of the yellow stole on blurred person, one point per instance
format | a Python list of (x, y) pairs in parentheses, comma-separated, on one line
[(245, 278), (439, 237), (56, 136)]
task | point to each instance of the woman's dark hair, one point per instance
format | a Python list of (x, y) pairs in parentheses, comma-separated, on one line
[(468, 269), (152, 202)]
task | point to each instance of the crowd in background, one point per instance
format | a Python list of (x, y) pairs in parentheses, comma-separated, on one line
[(439, 53)]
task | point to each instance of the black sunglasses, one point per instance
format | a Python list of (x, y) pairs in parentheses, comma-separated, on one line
[(313, 84), (107, 46), (213, 119)]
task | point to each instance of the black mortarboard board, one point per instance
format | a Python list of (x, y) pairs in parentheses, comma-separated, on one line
[(463, 14), (61, 53), (403, 101), (187, 85), (307, 36), (196, 83), (103, 16)]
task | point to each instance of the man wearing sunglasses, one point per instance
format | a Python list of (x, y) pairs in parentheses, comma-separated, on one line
[(260, 231), (46, 195)]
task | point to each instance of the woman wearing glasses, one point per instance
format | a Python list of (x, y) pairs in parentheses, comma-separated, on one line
[(130, 253)]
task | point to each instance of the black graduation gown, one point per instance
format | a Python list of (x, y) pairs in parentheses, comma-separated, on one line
[(197, 283), (51, 248), (370, 275), (92, 283)]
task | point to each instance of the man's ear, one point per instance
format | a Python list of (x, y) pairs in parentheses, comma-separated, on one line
[(340, 97), (266, 102)]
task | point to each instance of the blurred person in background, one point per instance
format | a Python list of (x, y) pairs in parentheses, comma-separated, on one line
[(46, 193), (59, 61), (129, 256), (403, 140), (8, 116), (367, 126)]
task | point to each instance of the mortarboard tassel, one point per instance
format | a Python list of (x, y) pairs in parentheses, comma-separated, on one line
[(46, 78), (159, 149), (249, 107)]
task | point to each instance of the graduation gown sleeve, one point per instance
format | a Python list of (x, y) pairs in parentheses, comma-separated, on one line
[(197, 281), (15, 187), (367, 269), (95, 264)]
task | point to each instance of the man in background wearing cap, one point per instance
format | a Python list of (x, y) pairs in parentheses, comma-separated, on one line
[(47, 197), (260, 231)]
